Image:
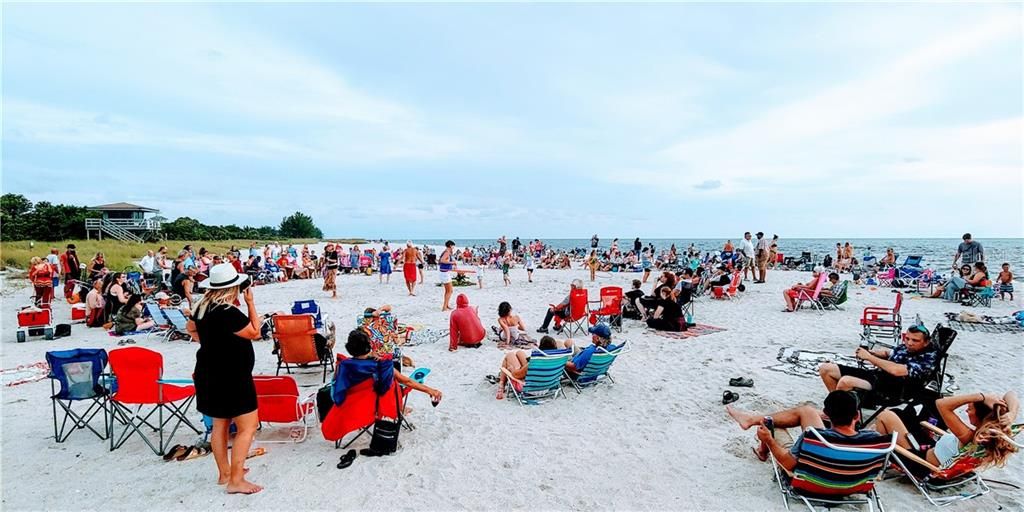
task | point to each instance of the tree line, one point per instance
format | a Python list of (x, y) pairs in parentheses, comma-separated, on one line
[(20, 219)]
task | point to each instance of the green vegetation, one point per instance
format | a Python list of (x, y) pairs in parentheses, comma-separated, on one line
[(122, 255)]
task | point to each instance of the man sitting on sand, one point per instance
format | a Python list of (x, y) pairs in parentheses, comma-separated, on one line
[(840, 409), (911, 362), (560, 310), (464, 325)]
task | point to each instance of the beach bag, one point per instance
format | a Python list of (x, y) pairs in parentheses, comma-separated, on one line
[(385, 430), (62, 330)]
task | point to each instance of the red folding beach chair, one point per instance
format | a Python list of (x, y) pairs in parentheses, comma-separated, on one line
[(720, 292), (140, 383), (609, 307), (883, 323), (578, 312), (278, 401), (359, 411)]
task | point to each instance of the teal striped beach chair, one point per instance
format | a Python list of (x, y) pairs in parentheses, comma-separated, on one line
[(596, 370), (543, 380)]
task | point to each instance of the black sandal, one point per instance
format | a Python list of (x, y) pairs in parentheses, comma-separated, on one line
[(492, 379), (741, 382), (174, 452), (347, 459), (729, 397)]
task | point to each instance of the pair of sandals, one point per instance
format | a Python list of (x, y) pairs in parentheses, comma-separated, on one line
[(728, 396), (128, 341), (181, 452)]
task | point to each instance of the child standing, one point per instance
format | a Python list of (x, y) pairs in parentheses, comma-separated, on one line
[(592, 263), (505, 264), (480, 274), (1005, 282)]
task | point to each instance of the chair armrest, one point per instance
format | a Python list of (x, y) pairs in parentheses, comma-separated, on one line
[(509, 375), (933, 428), (907, 454), (174, 381)]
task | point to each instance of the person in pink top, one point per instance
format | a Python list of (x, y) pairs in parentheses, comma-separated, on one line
[(464, 325)]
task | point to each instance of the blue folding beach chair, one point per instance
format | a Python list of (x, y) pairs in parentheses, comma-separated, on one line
[(543, 380), (178, 323), (80, 374), (309, 307), (910, 272), (596, 370)]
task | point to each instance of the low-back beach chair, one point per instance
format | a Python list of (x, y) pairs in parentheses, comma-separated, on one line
[(79, 372), (543, 380), (961, 474), (836, 298), (974, 297), (361, 408), (812, 298), (278, 401), (729, 293), (296, 346), (910, 271), (881, 324), (832, 469), (178, 323), (596, 370)]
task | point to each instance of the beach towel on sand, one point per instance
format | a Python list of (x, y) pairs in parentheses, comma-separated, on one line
[(25, 373), (967, 321), (425, 335), (804, 363), (692, 332)]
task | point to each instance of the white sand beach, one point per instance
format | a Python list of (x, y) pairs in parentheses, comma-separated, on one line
[(658, 438)]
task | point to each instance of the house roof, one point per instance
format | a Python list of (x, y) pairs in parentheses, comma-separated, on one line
[(122, 207)]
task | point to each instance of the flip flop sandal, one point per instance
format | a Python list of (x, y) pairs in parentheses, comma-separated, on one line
[(197, 451), (492, 379), (188, 451), (256, 452), (368, 452), (741, 382), (729, 397), (347, 459), (760, 457), (175, 452)]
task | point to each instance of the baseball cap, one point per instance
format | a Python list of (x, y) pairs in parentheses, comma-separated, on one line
[(602, 330)]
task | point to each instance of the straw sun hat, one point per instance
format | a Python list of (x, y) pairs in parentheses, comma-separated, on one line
[(223, 276)]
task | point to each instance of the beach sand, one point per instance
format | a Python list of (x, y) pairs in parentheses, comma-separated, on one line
[(658, 438)]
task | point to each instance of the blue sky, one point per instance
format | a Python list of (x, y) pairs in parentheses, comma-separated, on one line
[(557, 120)]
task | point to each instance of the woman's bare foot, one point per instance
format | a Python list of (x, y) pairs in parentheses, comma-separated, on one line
[(244, 487), (743, 418), (224, 479)]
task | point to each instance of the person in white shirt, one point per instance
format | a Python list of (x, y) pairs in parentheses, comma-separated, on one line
[(747, 250), (761, 256)]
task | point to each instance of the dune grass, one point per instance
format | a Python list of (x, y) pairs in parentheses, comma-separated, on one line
[(124, 255)]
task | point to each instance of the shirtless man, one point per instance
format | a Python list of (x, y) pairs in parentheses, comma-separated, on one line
[(410, 258)]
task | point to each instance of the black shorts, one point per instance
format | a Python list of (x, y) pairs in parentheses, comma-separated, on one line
[(880, 381)]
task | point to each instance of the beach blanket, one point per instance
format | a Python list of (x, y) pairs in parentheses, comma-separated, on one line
[(692, 332), (968, 321), (425, 335), (25, 373), (804, 363)]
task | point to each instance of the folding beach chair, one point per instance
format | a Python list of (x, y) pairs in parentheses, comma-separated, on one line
[(975, 297), (296, 346), (178, 324), (721, 292), (385, 333), (543, 377), (881, 323), (596, 370), (577, 314), (928, 389), (609, 308), (309, 307), (832, 469), (361, 408), (80, 375), (961, 475), (812, 298), (910, 271), (139, 373), (837, 298), (278, 401)]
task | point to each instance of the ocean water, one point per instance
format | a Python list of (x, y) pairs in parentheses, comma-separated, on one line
[(937, 252)]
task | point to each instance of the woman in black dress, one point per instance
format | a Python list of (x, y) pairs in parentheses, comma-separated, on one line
[(223, 375)]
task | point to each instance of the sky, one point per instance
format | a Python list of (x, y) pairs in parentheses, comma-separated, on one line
[(531, 120)]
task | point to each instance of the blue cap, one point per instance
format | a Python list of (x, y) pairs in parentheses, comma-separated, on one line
[(601, 330)]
